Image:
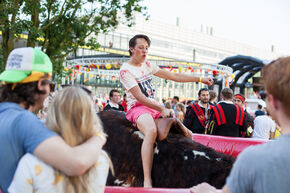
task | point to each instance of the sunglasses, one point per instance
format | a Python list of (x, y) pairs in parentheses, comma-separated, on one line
[(51, 84)]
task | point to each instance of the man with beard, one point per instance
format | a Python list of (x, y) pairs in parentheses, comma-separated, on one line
[(197, 115)]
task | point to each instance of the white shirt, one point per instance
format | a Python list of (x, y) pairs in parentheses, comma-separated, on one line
[(263, 125), (113, 105), (131, 76), (227, 102), (206, 109), (34, 176)]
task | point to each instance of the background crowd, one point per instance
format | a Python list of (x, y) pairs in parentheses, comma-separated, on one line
[(198, 115)]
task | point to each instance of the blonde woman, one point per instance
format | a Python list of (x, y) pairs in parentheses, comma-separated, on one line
[(168, 105), (72, 116), (180, 111)]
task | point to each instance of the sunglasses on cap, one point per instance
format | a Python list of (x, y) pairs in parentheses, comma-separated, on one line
[(51, 84)]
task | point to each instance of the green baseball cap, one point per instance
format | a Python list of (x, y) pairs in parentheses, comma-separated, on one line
[(22, 62)]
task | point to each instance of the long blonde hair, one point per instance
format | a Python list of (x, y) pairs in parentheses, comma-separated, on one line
[(182, 107), (72, 115)]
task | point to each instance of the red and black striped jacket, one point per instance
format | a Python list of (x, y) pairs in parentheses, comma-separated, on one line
[(227, 119), (195, 118)]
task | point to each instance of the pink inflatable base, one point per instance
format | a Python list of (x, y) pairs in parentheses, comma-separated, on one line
[(227, 145), (112, 189)]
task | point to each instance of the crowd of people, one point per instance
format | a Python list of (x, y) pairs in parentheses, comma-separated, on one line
[(39, 154), (208, 115)]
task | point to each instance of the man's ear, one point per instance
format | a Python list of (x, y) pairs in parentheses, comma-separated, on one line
[(273, 101), (131, 49), (40, 85)]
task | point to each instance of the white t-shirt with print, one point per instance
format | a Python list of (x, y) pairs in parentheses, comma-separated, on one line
[(131, 76), (34, 176)]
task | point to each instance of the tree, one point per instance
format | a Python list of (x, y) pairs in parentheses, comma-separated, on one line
[(61, 26)]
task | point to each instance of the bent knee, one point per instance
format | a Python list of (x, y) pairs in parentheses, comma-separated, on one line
[(151, 132), (146, 125)]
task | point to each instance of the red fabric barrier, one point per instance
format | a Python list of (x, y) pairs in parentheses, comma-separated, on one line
[(116, 189), (113, 189), (227, 145)]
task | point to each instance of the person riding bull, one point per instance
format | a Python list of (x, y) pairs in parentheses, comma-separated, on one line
[(136, 77)]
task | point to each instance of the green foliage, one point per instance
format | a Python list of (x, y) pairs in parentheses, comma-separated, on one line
[(1, 59), (59, 27)]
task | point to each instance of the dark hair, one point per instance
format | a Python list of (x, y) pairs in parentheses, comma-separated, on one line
[(227, 93), (112, 92), (132, 42), (188, 102), (22, 93), (176, 97), (203, 89), (260, 106)]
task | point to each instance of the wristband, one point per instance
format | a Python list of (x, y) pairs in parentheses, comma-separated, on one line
[(200, 79)]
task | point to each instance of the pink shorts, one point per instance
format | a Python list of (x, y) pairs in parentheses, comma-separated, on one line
[(139, 109)]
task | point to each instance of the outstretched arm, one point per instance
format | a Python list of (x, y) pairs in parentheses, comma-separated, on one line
[(183, 77), (73, 161)]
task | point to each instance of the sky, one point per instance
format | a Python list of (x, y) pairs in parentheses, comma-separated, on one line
[(259, 23)]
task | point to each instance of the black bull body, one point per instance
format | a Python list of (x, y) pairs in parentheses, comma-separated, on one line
[(178, 161)]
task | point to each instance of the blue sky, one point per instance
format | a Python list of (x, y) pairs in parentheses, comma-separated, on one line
[(260, 23)]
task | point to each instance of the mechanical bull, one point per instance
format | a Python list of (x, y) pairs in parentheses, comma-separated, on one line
[(178, 162)]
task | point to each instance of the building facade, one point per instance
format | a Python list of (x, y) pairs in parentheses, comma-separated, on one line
[(171, 44)]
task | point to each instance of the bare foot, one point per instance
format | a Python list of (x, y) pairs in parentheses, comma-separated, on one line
[(147, 184)]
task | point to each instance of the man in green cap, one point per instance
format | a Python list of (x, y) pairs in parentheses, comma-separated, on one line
[(26, 84)]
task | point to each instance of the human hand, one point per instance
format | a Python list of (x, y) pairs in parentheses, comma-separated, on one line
[(189, 134), (165, 112), (207, 80), (203, 188)]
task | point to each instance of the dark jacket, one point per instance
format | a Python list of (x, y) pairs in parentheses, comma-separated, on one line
[(108, 107), (230, 127), (192, 122)]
